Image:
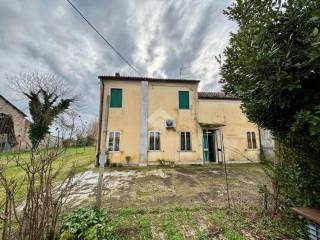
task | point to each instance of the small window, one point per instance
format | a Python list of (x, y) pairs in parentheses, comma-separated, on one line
[(114, 141), (185, 139), (154, 140), (184, 100), (251, 137), (116, 98)]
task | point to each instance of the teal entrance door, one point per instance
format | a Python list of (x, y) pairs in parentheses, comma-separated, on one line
[(205, 145), (209, 145)]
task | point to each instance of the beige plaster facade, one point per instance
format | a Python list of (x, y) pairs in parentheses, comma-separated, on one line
[(146, 105)]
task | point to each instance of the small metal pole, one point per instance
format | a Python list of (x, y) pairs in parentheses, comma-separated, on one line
[(102, 161), (225, 170)]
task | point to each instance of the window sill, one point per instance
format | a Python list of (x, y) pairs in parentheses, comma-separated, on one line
[(252, 149), (155, 151), (186, 151)]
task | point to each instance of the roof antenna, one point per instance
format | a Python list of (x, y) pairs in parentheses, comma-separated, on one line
[(184, 74), (180, 72)]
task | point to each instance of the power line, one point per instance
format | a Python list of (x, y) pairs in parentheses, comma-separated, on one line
[(109, 44)]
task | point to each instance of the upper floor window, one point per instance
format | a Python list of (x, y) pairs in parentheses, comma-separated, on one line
[(185, 141), (154, 140), (114, 141), (251, 137), (116, 98), (184, 100)]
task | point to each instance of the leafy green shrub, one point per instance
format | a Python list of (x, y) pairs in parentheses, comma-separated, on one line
[(128, 159), (115, 165), (272, 64), (295, 179), (84, 224), (163, 163), (68, 142)]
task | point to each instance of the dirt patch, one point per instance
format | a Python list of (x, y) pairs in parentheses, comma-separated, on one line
[(167, 187), (178, 203), (187, 180)]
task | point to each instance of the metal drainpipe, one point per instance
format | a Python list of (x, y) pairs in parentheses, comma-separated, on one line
[(100, 122), (106, 125)]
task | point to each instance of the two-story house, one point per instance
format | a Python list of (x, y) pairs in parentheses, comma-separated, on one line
[(144, 121)]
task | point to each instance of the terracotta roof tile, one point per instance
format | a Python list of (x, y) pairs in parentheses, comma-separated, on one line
[(149, 79), (216, 95)]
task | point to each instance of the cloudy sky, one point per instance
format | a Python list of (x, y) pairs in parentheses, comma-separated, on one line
[(158, 37)]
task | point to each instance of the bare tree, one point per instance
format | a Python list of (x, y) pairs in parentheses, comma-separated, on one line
[(48, 97), (34, 81), (37, 216), (66, 123), (7, 205), (81, 132), (92, 131), (73, 129)]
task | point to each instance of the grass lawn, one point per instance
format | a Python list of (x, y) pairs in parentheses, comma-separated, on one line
[(195, 223), (80, 157)]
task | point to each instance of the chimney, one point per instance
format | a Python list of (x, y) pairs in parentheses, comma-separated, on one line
[(117, 74)]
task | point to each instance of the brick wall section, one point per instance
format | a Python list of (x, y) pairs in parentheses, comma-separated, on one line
[(21, 124)]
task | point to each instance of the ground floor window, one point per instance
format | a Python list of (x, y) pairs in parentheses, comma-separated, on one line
[(185, 141), (114, 141), (251, 137), (154, 140)]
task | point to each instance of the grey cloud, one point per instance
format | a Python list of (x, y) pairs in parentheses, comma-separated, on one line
[(156, 36)]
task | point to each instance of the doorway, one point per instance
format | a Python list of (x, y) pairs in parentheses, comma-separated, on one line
[(209, 145)]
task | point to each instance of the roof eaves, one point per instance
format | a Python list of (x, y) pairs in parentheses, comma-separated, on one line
[(7, 101), (149, 79), (216, 96)]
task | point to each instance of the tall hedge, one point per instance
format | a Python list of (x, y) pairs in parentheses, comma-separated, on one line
[(273, 64)]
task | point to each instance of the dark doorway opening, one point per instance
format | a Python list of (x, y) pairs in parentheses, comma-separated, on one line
[(209, 145)]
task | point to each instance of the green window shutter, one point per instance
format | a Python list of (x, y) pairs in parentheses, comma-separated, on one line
[(184, 100), (116, 98)]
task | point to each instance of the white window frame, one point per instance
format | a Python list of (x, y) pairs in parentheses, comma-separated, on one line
[(113, 142), (250, 139), (154, 141), (185, 141)]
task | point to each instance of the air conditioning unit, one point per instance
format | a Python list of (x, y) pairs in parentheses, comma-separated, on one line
[(170, 123)]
